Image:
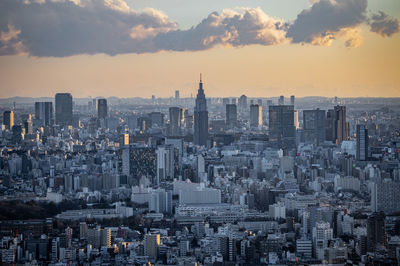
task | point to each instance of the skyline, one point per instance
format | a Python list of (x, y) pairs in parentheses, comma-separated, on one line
[(261, 49)]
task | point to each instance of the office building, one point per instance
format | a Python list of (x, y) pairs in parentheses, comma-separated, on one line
[(157, 119), (44, 113), (242, 102), (151, 245), (304, 248), (64, 109), (255, 115), (292, 100), (385, 197), (281, 100), (17, 134), (167, 158), (200, 117), (231, 116), (322, 233), (376, 232), (314, 126), (362, 143), (28, 125), (175, 121), (136, 162), (102, 109), (160, 201), (281, 125), (177, 95), (200, 196), (337, 128), (8, 119)]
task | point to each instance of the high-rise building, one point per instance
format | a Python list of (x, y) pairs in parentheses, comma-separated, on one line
[(8, 119), (376, 232), (385, 197), (44, 113), (292, 100), (362, 143), (231, 116), (177, 95), (255, 115), (314, 126), (281, 125), (136, 162), (157, 119), (151, 245), (200, 117), (337, 128), (64, 109), (281, 100), (166, 163), (242, 103), (322, 233), (28, 126), (17, 134), (102, 108), (175, 121)]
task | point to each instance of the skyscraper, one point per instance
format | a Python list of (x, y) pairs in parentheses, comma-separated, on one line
[(166, 163), (200, 117), (314, 126), (231, 116), (281, 125), (292, 100), (64, 109), (376, 232), (281, 100), (44, 113), (151, 245), (177, 95), (242, 103), (102, 108), (8, 119), (255, 115), (342, 128), (175, 121), (362, 143), (337, 128)]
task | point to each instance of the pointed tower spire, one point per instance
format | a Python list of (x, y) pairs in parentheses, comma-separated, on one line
[(200, 78)]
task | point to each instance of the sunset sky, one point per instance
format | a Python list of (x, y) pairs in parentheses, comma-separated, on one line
[(262, 48)]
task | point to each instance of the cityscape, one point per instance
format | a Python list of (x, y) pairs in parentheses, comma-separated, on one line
[(172, 132)]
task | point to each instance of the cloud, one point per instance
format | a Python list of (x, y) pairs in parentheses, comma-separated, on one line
[(59, 28), (325, 21), (63, 28), (230, 28), (9, 43), (384, 25)]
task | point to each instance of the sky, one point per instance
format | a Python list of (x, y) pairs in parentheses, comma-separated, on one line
[(139, 48)]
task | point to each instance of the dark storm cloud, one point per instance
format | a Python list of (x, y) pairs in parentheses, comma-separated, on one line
[(384, 25), (326, 17)]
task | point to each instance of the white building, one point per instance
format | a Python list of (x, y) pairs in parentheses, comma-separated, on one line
[(322, 233), (200, 196), (277, 211)]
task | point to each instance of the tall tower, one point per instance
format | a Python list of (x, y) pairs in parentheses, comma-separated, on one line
[(231, 116), (8, 119), (102, 108), (200, 117), (44, 113), (63, 109), (362, 143)]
